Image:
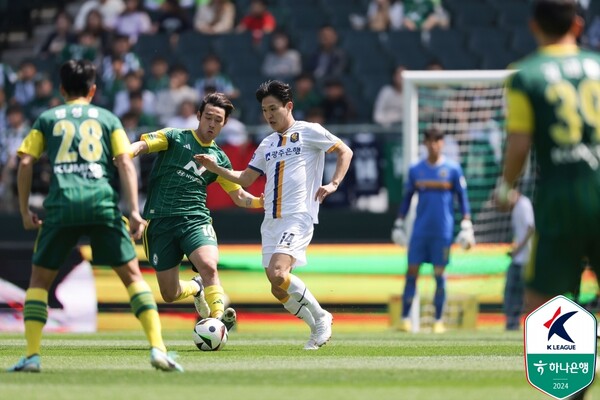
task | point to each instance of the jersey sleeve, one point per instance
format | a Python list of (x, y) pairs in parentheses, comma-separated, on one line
[(34, 143), (257, 162), (156, 141), (409, 190), (519, 118), (322, 139), (119, 142), (227, 186), (460, 188)]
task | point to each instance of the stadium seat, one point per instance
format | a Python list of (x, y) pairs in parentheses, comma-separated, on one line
[(399, 41), (442, 40), (514, 15), (480, 14), (458, 59), (485, 40), (499, 59), (148, 47), (305, 16), (194, 42), (522, 41), (415, 59)]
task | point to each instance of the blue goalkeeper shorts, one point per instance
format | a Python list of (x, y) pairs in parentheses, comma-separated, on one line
[(435, 251)]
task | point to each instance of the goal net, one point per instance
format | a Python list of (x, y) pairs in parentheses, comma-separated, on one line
[(469, 107)]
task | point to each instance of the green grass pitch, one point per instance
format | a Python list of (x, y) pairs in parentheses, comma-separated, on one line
[(378, 365)]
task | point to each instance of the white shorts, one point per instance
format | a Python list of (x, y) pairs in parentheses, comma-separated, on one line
[(287, 235)]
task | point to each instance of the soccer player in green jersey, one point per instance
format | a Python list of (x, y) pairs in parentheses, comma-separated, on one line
[(178, 220), (81, 141), (554, 106)]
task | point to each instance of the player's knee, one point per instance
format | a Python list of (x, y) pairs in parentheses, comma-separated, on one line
[(168, 295), (276, 277)]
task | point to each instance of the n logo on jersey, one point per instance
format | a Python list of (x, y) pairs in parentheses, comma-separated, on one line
[(198, 170), (294, 137)]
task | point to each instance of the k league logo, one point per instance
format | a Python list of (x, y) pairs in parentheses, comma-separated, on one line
[(560, 347)]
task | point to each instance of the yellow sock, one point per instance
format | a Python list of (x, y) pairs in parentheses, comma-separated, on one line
[(214, 297), (35, 314), (144, 308), (188, 288)]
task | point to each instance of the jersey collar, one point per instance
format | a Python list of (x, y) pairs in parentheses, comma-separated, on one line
[(200, 141), (560, 49), (77, 101)]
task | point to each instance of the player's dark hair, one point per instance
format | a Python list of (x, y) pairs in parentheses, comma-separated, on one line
[(77, 77), (218, 100), (281, 91), (554, 17)]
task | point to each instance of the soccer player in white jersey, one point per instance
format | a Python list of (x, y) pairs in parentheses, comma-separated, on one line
[(292, 160)]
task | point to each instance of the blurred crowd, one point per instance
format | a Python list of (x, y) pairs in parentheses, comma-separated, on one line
[(161, 90)]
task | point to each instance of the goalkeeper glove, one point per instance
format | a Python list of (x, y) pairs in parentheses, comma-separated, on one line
[(466, 236), (399, 233)]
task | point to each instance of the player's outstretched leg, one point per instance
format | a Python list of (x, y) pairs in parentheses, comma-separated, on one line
[(27, 364), (199, 300), (163, 361)]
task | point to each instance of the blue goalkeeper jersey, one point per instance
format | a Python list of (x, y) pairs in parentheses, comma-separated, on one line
[(436, 185)]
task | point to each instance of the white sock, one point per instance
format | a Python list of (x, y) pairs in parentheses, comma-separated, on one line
[(299, 292), (300, 311)]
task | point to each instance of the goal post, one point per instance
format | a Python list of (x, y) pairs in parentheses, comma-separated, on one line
[(469, 107)]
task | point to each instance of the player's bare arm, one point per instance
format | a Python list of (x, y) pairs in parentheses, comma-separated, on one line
[(515, 157), (244, 178), (344, 156), (243, 199), (139, 147), (30, 219), (128, 179)]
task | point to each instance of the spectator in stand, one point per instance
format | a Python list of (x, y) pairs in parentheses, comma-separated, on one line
[(383, 15), (83, 49), (213, 80), (315, 115), (133, 21), (388, 106), (45, 98), (94, 24), (8, 78), (110, 10), (3, 108), (215, 17), (337, 107), (24, 90), (136, 106), (168, 100), (159, 74), (424, 15), (10, 140), (133, 83), (282, 62), (330, 60), (258, 21), (111, 83), (58, 38), (121, 49), (306, 97), (172, 18), (186, 117)]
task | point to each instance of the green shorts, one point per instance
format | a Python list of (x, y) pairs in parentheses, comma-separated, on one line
[(557, 262), (111, 244), (167, 239)]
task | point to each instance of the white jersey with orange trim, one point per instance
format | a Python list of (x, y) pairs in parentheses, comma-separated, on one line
[(293, 163)]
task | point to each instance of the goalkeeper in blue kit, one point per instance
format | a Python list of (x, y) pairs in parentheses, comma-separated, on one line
[(437, 180)]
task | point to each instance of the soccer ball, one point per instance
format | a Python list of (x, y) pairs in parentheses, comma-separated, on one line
[(210, 334)]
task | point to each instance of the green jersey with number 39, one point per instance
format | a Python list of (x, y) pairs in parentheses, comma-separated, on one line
[(80, 140), (555, 97)]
